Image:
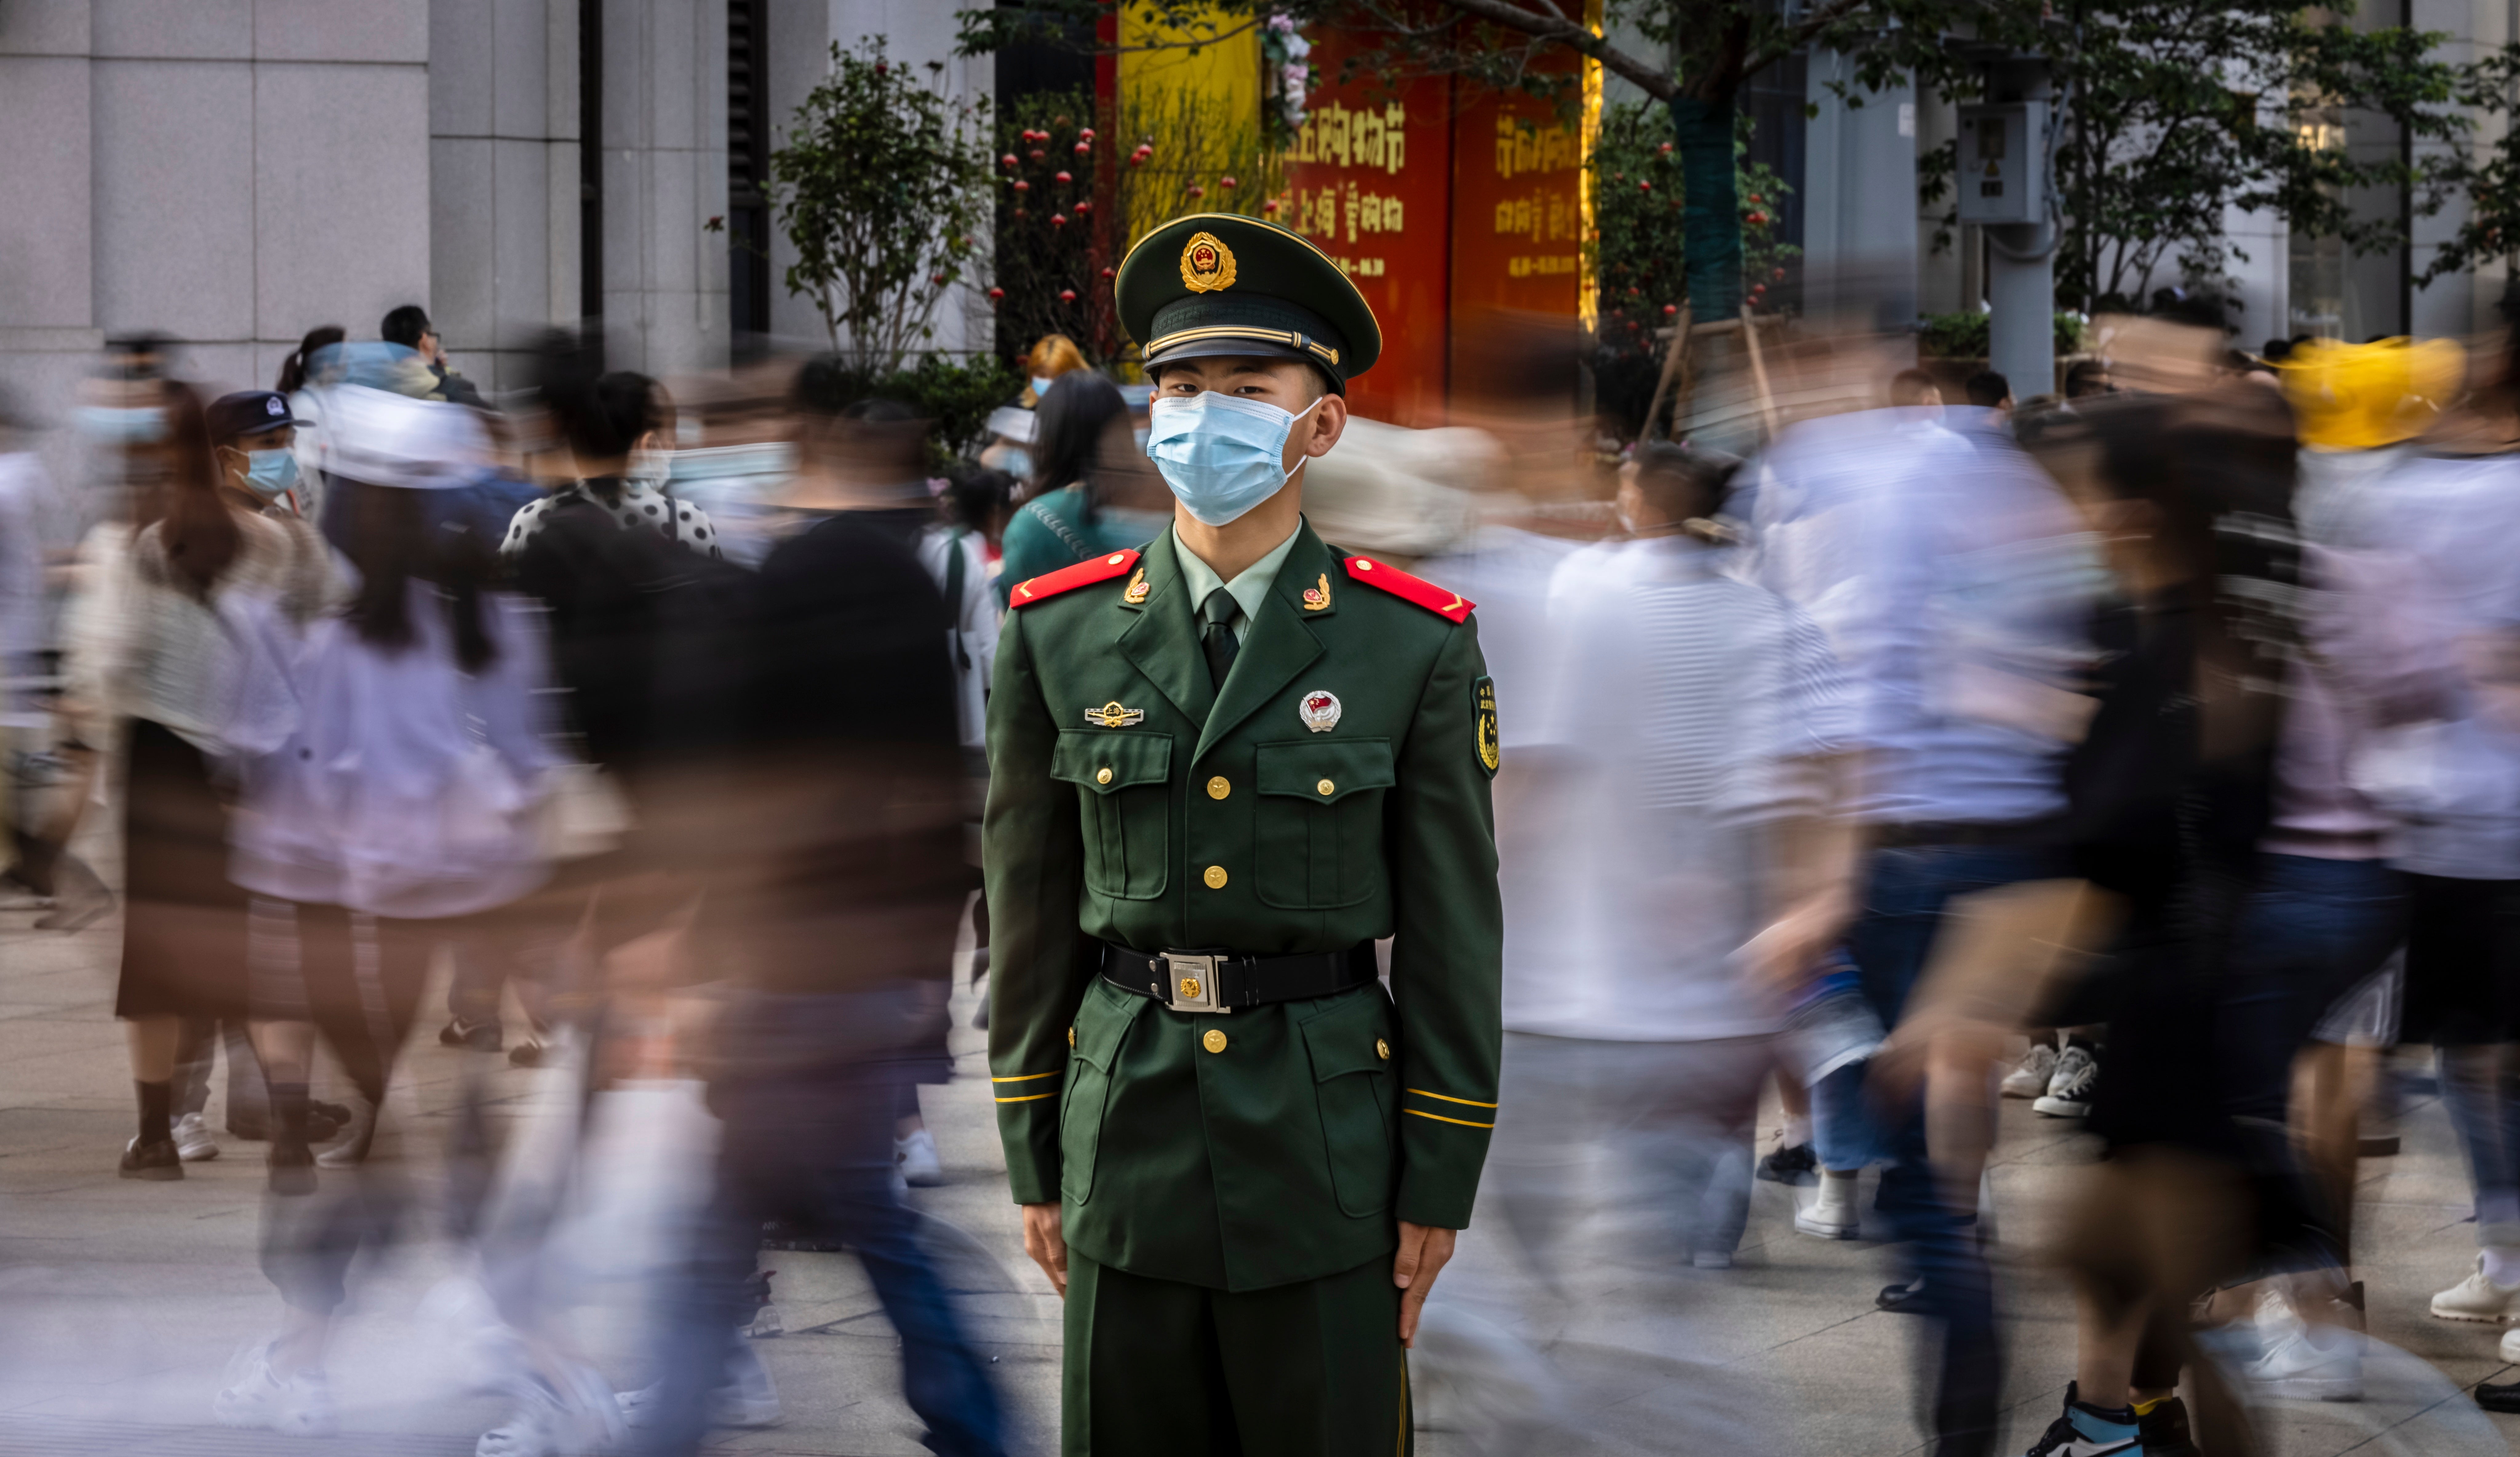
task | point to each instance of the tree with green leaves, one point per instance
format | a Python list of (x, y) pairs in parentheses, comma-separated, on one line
[(2174, 113), (882, 185), (2176, 110), (1704, 52)]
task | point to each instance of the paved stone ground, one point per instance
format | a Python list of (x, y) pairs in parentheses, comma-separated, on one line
[(121, 1302)]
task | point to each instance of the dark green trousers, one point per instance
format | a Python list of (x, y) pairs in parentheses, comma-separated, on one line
[(1160, 1369)]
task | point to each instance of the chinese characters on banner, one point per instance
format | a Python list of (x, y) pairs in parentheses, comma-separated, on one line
[(1369, 182), (1518, 217)]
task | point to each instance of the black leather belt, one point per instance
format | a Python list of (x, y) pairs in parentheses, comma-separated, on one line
[(1221, 981)]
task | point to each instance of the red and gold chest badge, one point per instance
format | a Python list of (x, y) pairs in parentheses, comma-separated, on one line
[(1206, 264)]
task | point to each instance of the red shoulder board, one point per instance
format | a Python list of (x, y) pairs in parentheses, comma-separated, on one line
[(1083, 574), (1440, 600)]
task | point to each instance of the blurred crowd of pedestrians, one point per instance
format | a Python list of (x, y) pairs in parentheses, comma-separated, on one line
[(2168, 728)]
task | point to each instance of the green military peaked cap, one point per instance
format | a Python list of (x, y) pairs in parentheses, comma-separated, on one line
[(1214, 282)]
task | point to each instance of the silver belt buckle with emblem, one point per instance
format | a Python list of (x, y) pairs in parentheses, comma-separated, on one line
[(1191, 982)]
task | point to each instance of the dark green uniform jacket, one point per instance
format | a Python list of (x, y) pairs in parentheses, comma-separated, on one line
[(1270, 1144)]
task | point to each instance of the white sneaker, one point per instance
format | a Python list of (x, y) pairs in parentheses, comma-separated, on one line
[(2509, 1351), (2069, 1087), (748, 1400), (2031, 1079), (1830, 1214), (193, 1141), (916, 1156), (580, 1415), (2478, 1299), (2302, 1363), (253, 1398)]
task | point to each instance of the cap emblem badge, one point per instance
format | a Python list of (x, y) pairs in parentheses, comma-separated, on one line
[(1319, 710), (1206, 264)]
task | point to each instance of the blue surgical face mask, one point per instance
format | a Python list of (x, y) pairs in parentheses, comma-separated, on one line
[(1221, 454), (123, 425), (1018, 463), (1040, 385), (270, 472)]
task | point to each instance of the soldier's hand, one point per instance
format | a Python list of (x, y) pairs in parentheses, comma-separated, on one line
[(1048, 1245), (1424, 1251)]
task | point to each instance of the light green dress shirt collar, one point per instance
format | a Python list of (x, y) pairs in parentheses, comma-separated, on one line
[(1250, 587)]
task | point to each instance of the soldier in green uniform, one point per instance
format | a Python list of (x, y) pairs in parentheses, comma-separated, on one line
[(1221, 768)]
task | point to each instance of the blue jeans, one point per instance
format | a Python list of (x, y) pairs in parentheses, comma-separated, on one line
[(812, 1145), (1905, 896), (2312, 931)]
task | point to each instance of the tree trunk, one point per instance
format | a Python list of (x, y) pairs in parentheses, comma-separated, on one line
[(1711, 205)]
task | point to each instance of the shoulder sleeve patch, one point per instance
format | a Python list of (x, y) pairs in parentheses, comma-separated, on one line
[(1443, 602), (1483, 717), (1083, 574)]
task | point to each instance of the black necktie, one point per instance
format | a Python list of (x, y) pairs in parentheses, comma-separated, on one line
[(1218, 640)]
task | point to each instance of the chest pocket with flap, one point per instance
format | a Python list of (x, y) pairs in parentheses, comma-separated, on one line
[(1319, 823), (1123, 777)]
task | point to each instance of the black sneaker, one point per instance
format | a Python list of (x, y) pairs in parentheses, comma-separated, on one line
[(1790, 1166), (155, 1160), (2069, 1091), (2163, 1426), (2086, 1431), (480, 1036), (2503, 1398), (526, 1053), (292, 1170)]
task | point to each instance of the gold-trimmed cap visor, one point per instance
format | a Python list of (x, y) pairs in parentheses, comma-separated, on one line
[(1205, 326)]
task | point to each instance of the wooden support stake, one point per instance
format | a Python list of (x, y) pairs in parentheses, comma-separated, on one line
[(1759, 371), (1673, 361)]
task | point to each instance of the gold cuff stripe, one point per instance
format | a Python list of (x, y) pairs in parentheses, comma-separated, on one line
[(1437, 1116), (1285, 337), (1028, 1078), (1028, 1098), (1440, 1098)]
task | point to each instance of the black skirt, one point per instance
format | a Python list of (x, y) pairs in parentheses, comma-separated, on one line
[(184, 923)]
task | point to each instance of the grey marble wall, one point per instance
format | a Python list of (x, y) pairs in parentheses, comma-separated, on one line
[(232, 172), (502, 156), (664, 177)]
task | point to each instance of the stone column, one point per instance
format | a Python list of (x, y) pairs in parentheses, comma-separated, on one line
[(664, 177), (503, 146)]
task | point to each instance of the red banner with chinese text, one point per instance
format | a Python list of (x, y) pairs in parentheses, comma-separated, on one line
[(1370, 182), (1518, 219)]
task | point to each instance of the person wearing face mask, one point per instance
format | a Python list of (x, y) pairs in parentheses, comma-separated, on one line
[(254, 437), (1056, 355), (1092, 489), (637, 423), (1222, 768)]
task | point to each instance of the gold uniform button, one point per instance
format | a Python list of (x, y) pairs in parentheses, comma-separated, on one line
[(1214, 1041), (1215, 878), (1326, 788), (1071, 1039), (1382, 1049), (1102, 776), (1218, 789)]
